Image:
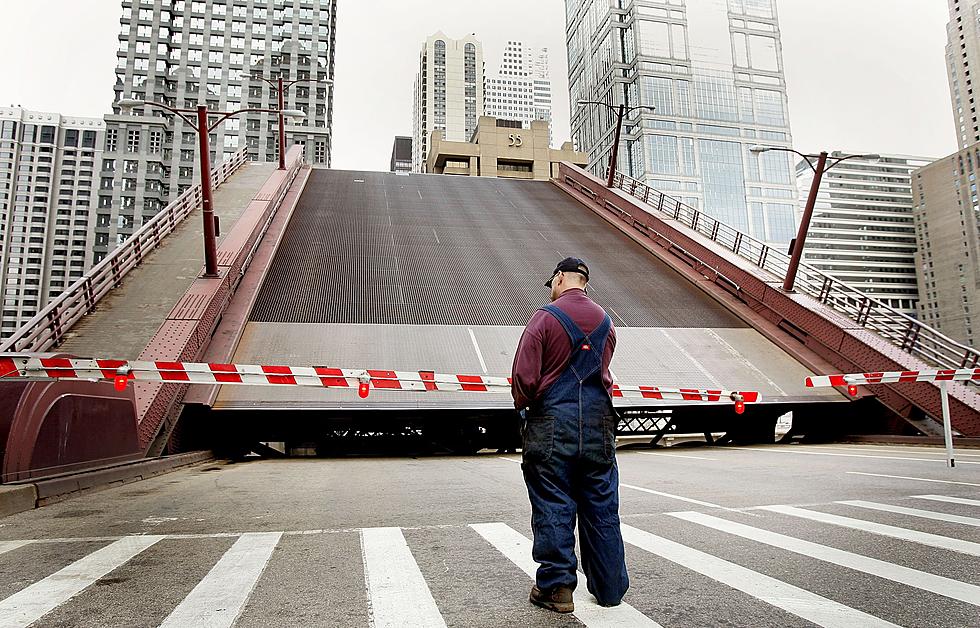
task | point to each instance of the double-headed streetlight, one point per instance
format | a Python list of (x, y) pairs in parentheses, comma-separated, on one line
[(203, 126), (621, 112), (280, 86), (796, 246)]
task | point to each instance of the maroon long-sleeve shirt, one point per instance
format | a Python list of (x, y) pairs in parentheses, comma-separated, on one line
[(545, 347)]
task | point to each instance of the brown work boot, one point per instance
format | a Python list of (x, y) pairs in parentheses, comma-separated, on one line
[(558, 599)]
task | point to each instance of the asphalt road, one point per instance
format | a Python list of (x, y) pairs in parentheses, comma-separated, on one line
[(715, 537)]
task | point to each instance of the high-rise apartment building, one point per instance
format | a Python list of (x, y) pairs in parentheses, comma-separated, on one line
[(521, 88), (862, 231), (962, 64), (448, 93), (947, 227), (714, 71), (188, 52), (48, 167)]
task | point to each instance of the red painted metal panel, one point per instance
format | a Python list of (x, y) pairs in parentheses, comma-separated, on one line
[(808, 330)]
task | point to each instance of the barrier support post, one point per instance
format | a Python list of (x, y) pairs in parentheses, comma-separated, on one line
[(947, 428)]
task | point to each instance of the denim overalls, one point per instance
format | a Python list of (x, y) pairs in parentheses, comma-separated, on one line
[(570, 468)]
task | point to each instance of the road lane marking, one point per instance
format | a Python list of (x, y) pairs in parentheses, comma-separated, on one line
[(677, 497), (792, 599), (30, 604), (908, 450), (9, 546), (947, 587), (479, 353), (690, 357), (517, 547), (218, 599), (914, 512), (923, 538), (904, 477), (396, 588), (664, 453), (951, 500), (793, 449), (746, 363)]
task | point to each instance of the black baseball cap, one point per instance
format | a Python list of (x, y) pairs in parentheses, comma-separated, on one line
[(569, 265)]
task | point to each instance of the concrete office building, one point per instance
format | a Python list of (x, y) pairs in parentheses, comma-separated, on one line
[(504, 149), (48, 170), (962, 54), (521, 88), (401, 155), (184, 52), (448, 94), (714, 71), (862, 231), (947, 228)]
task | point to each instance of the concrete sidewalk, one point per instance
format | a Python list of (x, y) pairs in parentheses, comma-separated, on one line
[(128, 317)]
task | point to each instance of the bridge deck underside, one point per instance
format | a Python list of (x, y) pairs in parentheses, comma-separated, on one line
[(393, 272)]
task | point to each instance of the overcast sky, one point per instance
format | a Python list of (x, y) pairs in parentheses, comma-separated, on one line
[(863, 75)]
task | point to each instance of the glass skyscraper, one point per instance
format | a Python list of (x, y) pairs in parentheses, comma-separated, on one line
[(713, 70)]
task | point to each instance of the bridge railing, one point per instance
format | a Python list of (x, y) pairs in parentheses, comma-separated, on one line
[(48, 327), (905, 332)]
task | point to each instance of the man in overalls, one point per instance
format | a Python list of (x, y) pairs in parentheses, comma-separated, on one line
[(562, 386)]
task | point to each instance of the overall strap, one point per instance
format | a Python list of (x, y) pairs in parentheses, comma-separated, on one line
[(584, 359), (574, 333)]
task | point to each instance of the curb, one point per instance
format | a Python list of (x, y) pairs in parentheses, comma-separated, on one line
[(16, 498), (888, 439)]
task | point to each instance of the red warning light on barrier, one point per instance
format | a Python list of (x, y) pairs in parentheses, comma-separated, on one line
[(852, 390), (739, 407), (120, 382), (364, 389)]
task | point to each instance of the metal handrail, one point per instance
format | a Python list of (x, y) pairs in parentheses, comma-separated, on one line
[(910, 335), (48, 327)]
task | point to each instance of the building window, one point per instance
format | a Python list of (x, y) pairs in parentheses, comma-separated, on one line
[(156, 141), (133, 141), (111, 140)]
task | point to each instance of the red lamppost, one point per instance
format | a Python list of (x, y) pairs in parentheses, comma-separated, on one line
[(203, 126), (621, 112), (796, 246), (280, 86)]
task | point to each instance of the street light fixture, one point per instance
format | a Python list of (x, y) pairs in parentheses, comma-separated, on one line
[(280, 86), (203, 126), (621, 112), (796, 246)]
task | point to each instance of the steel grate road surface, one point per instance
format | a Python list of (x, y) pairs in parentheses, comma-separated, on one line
[(366, 247), (430, 272)]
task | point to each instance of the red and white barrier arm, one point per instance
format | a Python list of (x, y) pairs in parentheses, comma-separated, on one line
[(943, 377), (853, 380), (122, 371)]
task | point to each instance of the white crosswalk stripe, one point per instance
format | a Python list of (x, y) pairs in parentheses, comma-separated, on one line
[(398, 586), (914, 512), (28, 605), (950, 500), (218, 599), (792, 599), (397, 590), (913, 577), (925, 538), (517, 548)]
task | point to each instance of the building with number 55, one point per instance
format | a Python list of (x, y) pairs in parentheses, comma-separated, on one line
[(501, 148)]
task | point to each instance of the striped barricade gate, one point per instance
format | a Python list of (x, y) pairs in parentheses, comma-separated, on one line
[(16, 366), (853, 380)]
